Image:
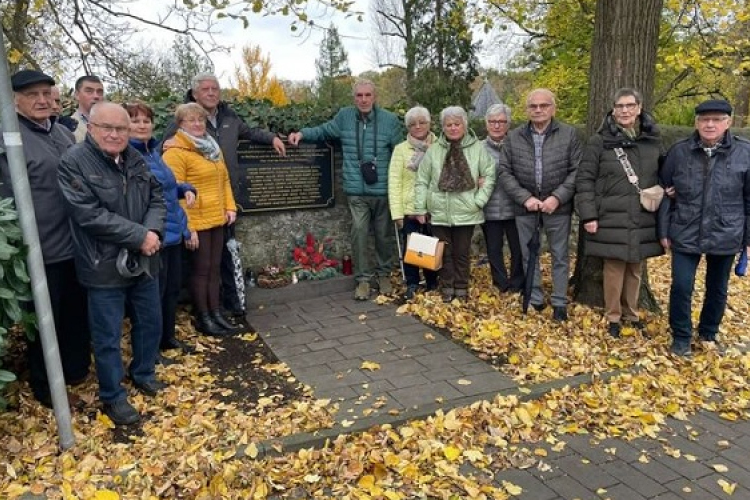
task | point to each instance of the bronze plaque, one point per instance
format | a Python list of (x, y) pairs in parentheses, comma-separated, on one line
[(268, 182)]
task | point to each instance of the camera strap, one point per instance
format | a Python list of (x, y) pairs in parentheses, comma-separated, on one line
[(360, 149)]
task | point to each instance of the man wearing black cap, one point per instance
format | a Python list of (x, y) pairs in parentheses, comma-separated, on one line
[(709, 214), (44, 142)]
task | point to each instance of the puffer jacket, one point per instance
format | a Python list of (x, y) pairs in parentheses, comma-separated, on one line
[(210, 178), (626, 231), (43, 148), (344, 127), (710, 211), (500, 206), (229, 129), (175, 224), (110, 208), (561, 155), (401, 180), (449, 208)]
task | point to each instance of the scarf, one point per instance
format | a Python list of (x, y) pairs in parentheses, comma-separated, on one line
[(497, 146), (206, 145), (456, 174), (419, 149)]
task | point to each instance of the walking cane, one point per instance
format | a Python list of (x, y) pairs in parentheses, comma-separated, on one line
[(400, 253)]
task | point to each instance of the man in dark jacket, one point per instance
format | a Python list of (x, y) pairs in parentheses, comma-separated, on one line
[(538, 166), (709, 214), (368, 135), (228, 129), (44, 142), (117, 214)]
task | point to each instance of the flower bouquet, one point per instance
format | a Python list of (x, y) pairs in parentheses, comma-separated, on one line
[(273, 277), (310, 258)]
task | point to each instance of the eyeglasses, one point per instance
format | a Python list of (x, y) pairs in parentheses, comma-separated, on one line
[(543, 106), (497, 123), (628, 105), (110, 129)]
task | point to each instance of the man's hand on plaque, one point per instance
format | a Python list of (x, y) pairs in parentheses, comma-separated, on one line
[(278, 145), (295, 138)]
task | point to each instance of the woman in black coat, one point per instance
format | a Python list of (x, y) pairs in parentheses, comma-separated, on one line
[(618, 229)]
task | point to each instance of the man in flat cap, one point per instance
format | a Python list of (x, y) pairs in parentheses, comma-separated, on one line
[(708, 214), (44, 142)]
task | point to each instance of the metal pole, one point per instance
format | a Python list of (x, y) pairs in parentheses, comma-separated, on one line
[(25, 207)]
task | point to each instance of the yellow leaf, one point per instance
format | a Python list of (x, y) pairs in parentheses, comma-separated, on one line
[(720, 468), (463, 381), (312, 478), (106, 495), (366, 482), (451, 453), (370, 365), (105, 420), (726, 486), (512, 489), (251, 450), (540, 452)]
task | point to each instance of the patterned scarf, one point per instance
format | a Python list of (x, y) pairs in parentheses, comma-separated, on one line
[(456, 174), (419, 149), (496, 145), (205, 145)]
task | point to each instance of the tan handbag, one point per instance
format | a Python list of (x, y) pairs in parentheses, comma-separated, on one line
[(424, 251), (650, 197)]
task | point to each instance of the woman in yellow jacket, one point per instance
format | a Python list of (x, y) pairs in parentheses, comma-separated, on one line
[(402, 174), (195, 157)]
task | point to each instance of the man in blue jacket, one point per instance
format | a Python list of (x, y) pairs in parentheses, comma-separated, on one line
[(368, 134), (709, 214)]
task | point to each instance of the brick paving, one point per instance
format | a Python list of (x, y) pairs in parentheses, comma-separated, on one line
[(325, 336)]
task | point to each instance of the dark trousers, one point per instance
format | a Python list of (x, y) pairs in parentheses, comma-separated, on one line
[(205, 281), (494, 233), (411, 273), (454, 275), (170, 281), (230, 297), (684, 267), (107, 308), (69, 312)]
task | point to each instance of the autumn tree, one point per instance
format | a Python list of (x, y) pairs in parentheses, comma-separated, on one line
[(254, 78), (334, 78), (397, 23)]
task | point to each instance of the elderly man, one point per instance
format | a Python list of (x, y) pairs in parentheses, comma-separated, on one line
[(708, 214), (368, 135), (117, 213), (499, 212), (44, 142), (227, 128), (88, 91), (538, 166)]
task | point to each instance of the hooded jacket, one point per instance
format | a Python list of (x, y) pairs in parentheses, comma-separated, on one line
[(401, 180), (604, 194), (111, 207), (454, 208), (710, 211)]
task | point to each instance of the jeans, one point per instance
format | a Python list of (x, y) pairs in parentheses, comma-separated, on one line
[(411, 273), (557, 229), (170, 281), (494, 230), (107, 307), (367, 211), (684, 267)]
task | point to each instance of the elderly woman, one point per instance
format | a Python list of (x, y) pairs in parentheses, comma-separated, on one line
[(499, 212), (447, 190), (402, 174), (195, 158), (175, 225), (618, 229)]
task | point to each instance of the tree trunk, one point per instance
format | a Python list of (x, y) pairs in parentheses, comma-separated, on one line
[(623, 54)]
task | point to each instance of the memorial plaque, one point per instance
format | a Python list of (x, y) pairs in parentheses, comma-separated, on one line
[(268, 182)]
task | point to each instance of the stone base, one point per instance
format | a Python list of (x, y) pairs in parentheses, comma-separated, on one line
[(305, 289)]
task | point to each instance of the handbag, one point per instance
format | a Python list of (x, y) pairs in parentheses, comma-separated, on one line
[(424, 251), (650, 197)]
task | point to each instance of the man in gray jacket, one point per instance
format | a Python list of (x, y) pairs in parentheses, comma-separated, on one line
[(538, 166), (44, 142), (708, 214), (117, 215)]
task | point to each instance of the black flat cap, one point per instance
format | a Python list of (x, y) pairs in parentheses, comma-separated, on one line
[(714, 106), (27, 77)]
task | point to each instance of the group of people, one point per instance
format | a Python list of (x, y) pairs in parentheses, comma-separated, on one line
[(130, 204), (133, 202)]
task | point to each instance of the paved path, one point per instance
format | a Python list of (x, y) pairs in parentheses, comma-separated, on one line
[(325, 337)]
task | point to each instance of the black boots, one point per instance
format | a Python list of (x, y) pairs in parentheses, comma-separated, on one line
[(205, 324), (220, 320)]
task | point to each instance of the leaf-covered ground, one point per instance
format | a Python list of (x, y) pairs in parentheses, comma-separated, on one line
[(185, 448)]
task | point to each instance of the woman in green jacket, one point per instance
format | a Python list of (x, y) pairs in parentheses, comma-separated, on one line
[(447, 189)]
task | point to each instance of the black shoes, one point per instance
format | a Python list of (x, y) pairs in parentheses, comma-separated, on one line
[(559, 313), (411, 290), (121, 412), (614, 330), (206, 325), (173, 343), (224, 323), (150, 387)]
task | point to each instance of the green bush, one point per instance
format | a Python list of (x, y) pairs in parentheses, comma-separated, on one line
[(14, 282)]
